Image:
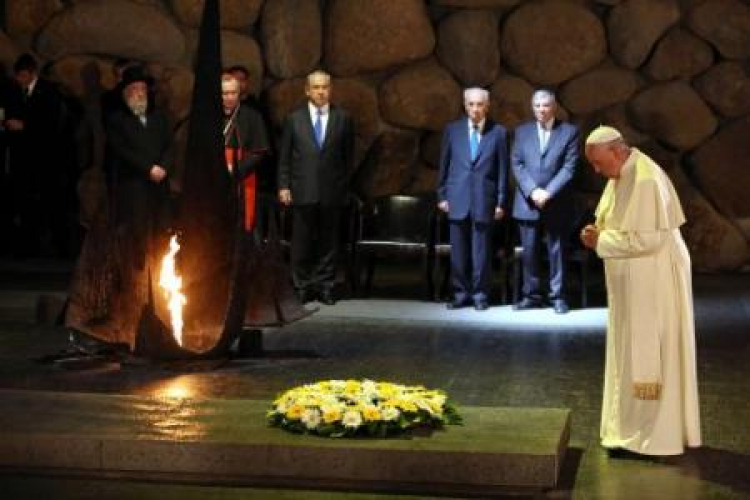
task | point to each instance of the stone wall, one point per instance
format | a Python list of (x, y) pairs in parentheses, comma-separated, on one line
[(673, 75)]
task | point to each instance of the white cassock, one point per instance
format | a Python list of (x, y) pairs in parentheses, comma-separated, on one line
[(650, 385)]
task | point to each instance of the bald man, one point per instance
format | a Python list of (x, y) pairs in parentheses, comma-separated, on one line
[(471, 190), (650, 385)]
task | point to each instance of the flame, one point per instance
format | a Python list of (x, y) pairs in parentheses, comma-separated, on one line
[(171, 283)]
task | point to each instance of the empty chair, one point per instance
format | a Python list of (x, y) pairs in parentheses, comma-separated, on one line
[(394, 226)]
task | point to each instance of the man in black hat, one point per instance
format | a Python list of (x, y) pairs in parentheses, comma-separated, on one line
[(139, 140), (111, 100)]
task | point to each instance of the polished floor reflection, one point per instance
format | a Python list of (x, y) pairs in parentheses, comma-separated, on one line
[(481, 359)]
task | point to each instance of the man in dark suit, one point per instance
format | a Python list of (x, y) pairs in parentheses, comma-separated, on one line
[(471, 190), (139, 138), (544, 158), (40, 171), (316, 157)]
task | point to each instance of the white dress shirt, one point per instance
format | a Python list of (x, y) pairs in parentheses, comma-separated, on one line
[(324, 113)]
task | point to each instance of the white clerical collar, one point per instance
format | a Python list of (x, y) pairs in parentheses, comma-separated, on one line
[(32, 85)]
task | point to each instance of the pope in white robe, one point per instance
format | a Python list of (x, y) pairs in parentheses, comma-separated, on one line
[(650, 403)]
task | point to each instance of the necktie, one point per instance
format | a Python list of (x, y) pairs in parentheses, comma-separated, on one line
[(474, 142), (544, 139), (319, 129)]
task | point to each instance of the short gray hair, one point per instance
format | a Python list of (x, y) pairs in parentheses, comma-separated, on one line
[(540, 93), (478, 92)]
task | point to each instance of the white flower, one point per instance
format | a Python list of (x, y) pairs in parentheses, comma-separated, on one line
[(338, 385), (311, 418), (424, 405), (390, 413), (352, 418)]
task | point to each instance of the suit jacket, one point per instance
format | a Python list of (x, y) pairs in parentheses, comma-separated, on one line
[(316, 175), (552, 169), (473, 188), (37, 146)]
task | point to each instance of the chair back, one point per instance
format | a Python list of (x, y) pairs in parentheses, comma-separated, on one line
[(397, 218)]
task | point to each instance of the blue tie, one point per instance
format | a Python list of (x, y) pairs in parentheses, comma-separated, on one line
[(474, 143), (319, 129)]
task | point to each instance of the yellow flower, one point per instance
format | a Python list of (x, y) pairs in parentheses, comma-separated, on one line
[(406, 405), (352, 387), (295, 411), (371, 413), (387, 390), (331, 414)]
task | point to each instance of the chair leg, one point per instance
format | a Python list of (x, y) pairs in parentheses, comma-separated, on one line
[(516, 284), (584, 283), (370, 272), (445, 282), (349, 272), (428, 270)]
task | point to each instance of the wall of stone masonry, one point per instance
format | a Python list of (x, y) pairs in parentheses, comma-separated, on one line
[(673, 75)]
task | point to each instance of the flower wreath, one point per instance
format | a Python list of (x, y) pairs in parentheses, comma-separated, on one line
[(345, 408)]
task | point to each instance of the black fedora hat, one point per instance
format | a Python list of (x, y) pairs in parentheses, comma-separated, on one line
[(134, 74)]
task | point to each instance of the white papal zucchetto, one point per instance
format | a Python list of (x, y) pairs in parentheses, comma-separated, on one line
[(603, 135)]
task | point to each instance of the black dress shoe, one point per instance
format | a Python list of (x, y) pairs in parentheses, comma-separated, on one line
[(527, 303), (327, 298), (457, 304), (481, 305), (560, 306)]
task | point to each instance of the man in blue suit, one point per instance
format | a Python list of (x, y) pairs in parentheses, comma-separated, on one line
[(471, 190), (544, 158)]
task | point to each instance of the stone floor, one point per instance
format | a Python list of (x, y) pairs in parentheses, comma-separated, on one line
[(498, 358)]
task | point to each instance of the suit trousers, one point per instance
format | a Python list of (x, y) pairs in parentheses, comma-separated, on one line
[(531, 233), (315, 241), (471, 259)]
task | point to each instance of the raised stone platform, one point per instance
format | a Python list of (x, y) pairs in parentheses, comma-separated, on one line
[(228, 442)]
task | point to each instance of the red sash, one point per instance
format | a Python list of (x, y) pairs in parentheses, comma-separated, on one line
[(232, 155)]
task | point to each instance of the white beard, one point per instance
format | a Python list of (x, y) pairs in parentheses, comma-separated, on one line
[(137, 106)]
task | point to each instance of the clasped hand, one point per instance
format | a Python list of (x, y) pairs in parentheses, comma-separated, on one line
[(590, 236)]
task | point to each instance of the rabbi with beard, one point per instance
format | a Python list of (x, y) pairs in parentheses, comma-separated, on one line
[(139, 138)]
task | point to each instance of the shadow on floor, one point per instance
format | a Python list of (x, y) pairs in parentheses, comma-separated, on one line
[(727, 468)]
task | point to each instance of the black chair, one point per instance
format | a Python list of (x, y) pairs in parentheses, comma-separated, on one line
[(394, 226)]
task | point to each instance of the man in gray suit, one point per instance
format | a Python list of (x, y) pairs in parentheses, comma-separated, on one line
[(316, 157), (544, 158)]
